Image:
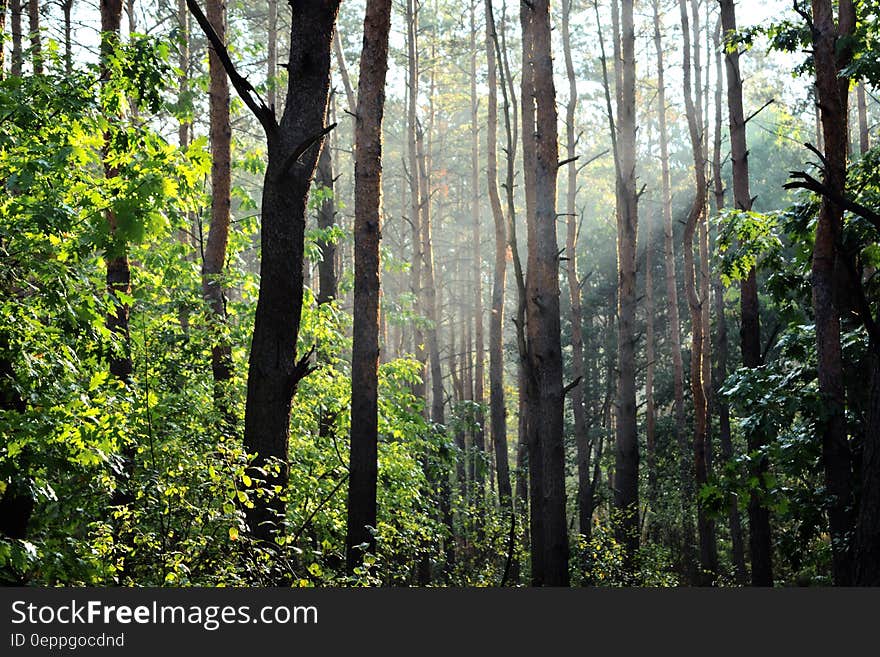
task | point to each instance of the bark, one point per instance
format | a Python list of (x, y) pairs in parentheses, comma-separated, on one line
[(35, 36), (542, 306), (673, 321), (429, 289), (626, 471), (15, 9), (214, 259), (719, 375), (293, 144), (497, 410), (327, 278), (479, 339), (528, 392), (830, 56), (365, 349), (3, 8), (750, 331), (697, 215), (864, 136), (420, 389), (67, 9), (576, 394), (272, 55)]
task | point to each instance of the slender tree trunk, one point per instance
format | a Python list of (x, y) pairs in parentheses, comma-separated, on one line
[(542, 305), (721, 340), (673, 321), (365, 349), (479, 340), (67, 9), (15, 27), (750, 331), (3, 7), (831, 55), (272, 56), (420, 389), (497, 411), (577, 394), (696, 216), (864, 136), (626, 471), (327, 279), (218, 234), (35, 36)]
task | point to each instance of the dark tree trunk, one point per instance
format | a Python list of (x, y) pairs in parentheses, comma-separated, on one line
[(293, 145), (542, 306), (750, 330), (36, 37), (365, 349), (721, 340), (15, 27), (831, 53), (866, 541)]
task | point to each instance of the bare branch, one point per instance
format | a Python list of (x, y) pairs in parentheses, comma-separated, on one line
[(245, 89)]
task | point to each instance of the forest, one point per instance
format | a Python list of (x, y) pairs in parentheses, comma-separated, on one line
[(448, 293)]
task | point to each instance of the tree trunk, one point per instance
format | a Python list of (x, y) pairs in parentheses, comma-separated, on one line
[(35, 36), (15, 9), (719, 375), (497, 411), (327, 279), (750, 332), (293, 145), (528, 399), (626, 471), (420, 389), (864, 136), (697, 215), (673, 321), (542, 305), (577, 394), (479, 340), (830, 57), (867, 534), (365, 348), (67, 9), (272, 55), (218, 234)]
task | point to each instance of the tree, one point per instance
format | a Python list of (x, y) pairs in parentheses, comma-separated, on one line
[(750, 330), (365, 350), (214, 259), (626, 471), (274, 370), (699, 335), (719, 374), (497, 410), (542, 305), (831, 53)]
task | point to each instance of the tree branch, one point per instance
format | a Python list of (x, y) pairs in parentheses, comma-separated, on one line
[(245, 89), (303, 147), (806, 181)]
